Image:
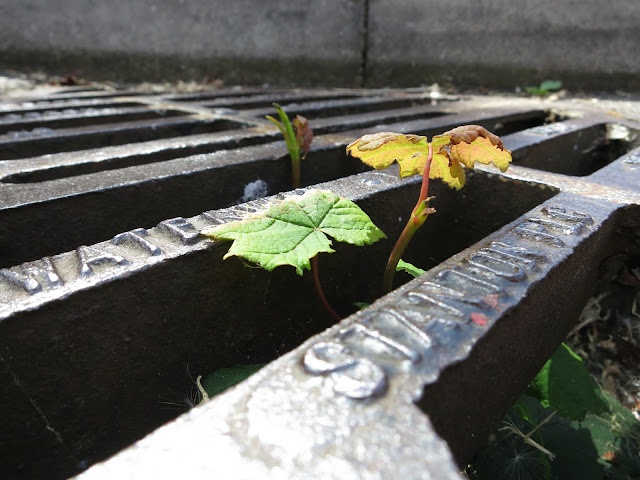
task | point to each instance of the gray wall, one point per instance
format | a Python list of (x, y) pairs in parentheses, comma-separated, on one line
[(495, 43)]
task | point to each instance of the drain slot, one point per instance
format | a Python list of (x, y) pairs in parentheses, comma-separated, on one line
[(580, 152), (14, 124), (220, 94), (353, 122), (261, 101), (500, 124), (314, 110), (273, 304), (94, 94), (448, 232), (116, 162), (30, 107), (47, 141)]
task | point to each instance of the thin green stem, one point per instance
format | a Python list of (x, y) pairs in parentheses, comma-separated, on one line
[(418, 216), (396, 255), (292, 143), (323, 299)]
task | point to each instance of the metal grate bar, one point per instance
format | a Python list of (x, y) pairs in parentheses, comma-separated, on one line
[(96, 340)]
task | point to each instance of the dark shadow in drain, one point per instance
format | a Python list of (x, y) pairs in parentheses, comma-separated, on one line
[(580, 153), (20, 124), (506, 359), (454, 227), (44, 141), (500, 125), (103, 362)]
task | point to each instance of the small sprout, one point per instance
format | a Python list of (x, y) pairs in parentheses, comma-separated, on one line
[(361, 305), (445, 158), (545, 88), (293, 232), (298, 142)]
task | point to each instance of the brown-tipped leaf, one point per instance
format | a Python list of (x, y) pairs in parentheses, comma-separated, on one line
[(304, 134), (472, 143), (468, 133), (480, 150), (380, 150), (462, 146)]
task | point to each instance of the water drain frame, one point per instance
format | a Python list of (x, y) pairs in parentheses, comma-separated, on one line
[(350, 388)]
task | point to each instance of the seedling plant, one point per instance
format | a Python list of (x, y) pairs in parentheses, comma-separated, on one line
[(444, 157), (294, 231), (544, 89), (298, 137)]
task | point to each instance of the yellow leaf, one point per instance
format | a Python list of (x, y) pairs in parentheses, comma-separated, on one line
[(450, 173), (452, 151), (379, 150), (480, 150), (413, 165), (439, 142)]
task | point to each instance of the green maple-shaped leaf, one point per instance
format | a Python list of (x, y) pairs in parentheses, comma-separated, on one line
[(293, 231)]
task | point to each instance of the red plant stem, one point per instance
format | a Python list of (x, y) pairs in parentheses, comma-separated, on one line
[(424, 189), (417, 218), (323, 299), (295, 169)]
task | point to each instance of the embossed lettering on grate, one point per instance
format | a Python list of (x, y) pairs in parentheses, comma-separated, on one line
[(112, 303)]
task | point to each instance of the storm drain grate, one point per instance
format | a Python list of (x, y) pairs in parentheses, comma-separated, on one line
[(96, 342)]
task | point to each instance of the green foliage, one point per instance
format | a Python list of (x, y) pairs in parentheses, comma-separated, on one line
[(223, 378), (409, 268), (564, 384), (361, 305), (296, 229), (298, 141), (602, 445), (545, 88), (592, 437), (444, 158)]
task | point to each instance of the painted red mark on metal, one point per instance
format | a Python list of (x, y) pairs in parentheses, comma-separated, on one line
[(479, 318)]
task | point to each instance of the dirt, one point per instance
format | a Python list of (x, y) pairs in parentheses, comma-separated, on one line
[(607, 335)]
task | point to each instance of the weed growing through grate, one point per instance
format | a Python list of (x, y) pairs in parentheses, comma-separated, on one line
[(298, 138), (445, 158), (294, 231), (544, 89), (291, 232)]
